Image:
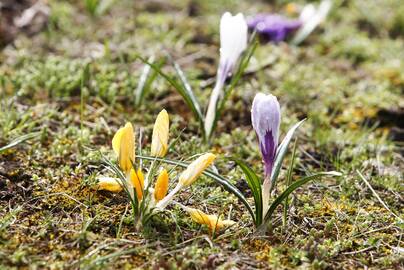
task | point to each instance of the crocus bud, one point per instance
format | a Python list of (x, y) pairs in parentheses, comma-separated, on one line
[(161, 187), (159, 144), (266, 118), (213, 222), (108, 183), (195, 169), (123, 145), (311, 17), (233, 41), (137, 181), (192, 172)]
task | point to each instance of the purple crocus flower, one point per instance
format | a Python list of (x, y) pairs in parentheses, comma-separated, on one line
[(266, 118), (274, 27)]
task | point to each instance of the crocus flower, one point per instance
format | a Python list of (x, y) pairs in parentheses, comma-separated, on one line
[(277, 28), (311, 17), (213, 222), (233, 41), (159, 144), (161, 187), (195, 169), (189, 176), (137, 181), (265, 118), (123, 145), (108, 183), (273, 27)]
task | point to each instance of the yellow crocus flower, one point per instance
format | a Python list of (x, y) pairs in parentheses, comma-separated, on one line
[(108, 183), (213, 222), (195, 169), (137, 180), (123, 145), (161, 187), (159, 144)]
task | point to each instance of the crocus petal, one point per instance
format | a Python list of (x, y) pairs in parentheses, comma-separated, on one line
[(140, 176), (233, 39), (108, 183), (161, 187), (273, 27), (159, 144), (265, 118), (195, 169), (213, 222), (116, 141), (137, 182), (123, 144), (307, 12)]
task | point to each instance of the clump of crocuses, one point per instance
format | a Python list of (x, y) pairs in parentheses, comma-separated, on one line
[(151, 194)]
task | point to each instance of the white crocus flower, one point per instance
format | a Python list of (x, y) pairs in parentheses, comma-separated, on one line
[(311, 17), (233, 41)]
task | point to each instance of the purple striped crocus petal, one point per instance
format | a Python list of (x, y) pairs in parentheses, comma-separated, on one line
[(266, 118), (274, 27)]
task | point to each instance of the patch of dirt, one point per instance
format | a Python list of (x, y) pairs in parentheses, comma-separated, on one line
[(15, 183)]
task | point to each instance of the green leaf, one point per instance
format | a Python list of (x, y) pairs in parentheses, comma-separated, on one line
[(216, 177), (19, 140), (288, 182), (280, 154), (254, 183), (146, 79), (292, 188), (185, 92)]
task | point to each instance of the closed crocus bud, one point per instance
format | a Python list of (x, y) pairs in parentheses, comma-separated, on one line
[(311, 17), (266, 118), (213, 222), (233, 41), (159, 144), (137, 181), (195, 169), (187, 177), (123, 145), (108, 183), (161, 187)]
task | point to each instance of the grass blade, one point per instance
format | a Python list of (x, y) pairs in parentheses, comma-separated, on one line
[(292, 188), (280, 154), (19, 140), (146, 79), (288, 182), (216, 177), (185, 92), (254, 183)]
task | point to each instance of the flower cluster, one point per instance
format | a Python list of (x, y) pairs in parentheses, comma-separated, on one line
[(150, 199), (152, 193)]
